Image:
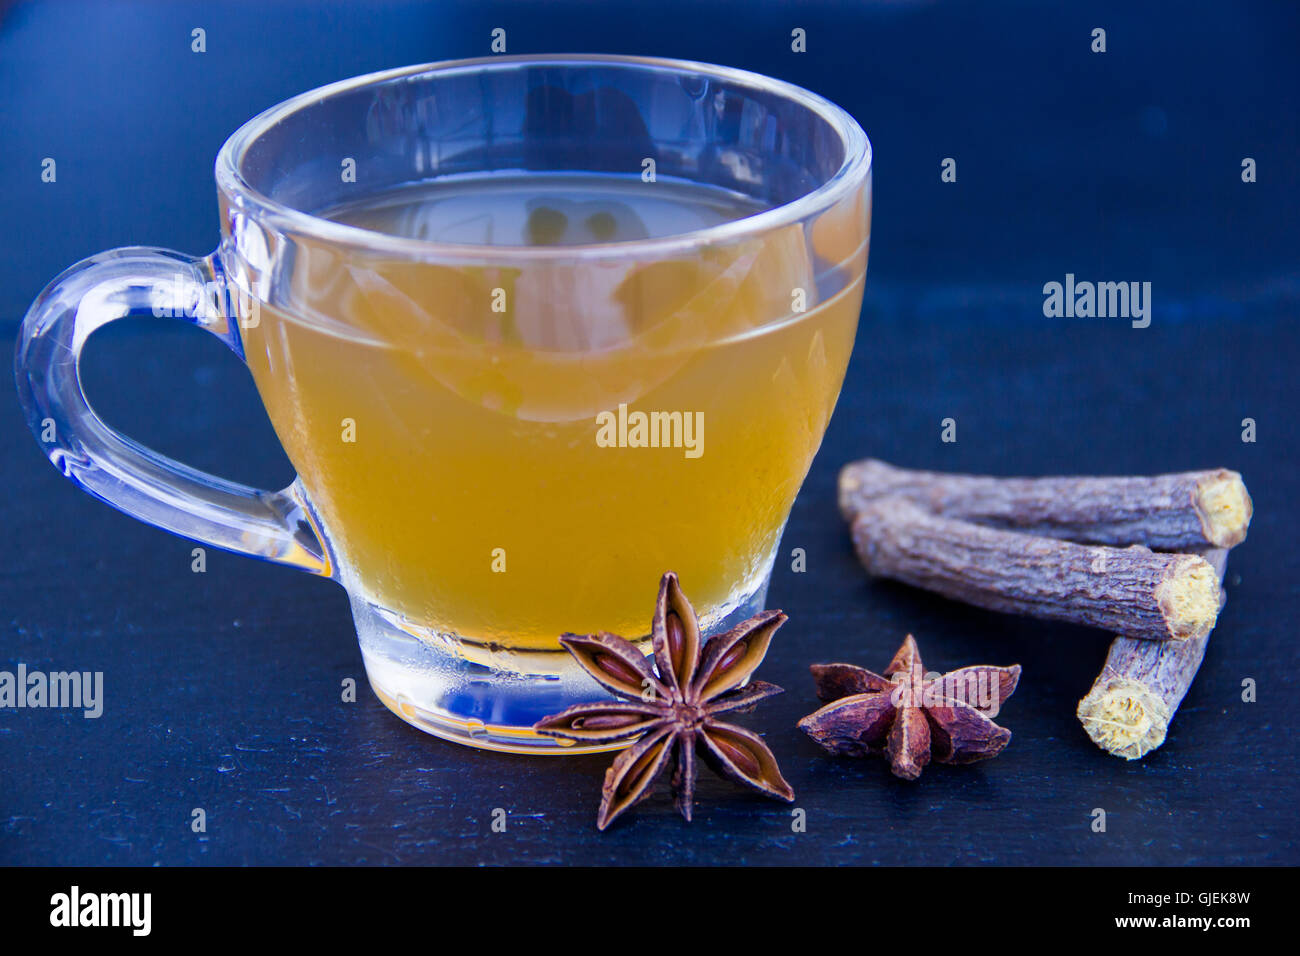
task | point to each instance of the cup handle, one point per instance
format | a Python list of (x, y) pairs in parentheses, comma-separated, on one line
[(274, 525)]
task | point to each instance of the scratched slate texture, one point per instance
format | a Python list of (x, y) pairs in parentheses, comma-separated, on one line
[(222, 689)]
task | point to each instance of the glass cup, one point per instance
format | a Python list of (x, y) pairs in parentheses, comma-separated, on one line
[(503, 434)]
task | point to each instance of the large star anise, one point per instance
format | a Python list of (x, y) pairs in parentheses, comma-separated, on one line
[(909, 716), (675, 705)]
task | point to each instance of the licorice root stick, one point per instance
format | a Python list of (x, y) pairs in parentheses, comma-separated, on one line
[(1133, 591), (1128, 710), (1176, 512)]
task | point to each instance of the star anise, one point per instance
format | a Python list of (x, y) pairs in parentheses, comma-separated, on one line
[(675, 705), (909, 716)]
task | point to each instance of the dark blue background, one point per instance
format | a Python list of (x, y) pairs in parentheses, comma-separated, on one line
[(223, 688)]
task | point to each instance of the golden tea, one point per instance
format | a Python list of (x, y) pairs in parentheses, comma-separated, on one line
[(508, 453)]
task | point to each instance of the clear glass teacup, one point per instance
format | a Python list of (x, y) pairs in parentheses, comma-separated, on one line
[(532, 330)]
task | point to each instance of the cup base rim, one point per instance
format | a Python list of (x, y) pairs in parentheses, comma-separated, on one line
[(470, 733)]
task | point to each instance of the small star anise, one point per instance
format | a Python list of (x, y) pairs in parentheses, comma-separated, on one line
[(675, 705), (909, 716)]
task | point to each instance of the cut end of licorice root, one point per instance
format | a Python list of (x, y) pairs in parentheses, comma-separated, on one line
[(1124, 717), (1224, 507), (1189, 598)]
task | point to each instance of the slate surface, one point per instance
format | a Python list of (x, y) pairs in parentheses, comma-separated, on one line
[(222, 689)]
